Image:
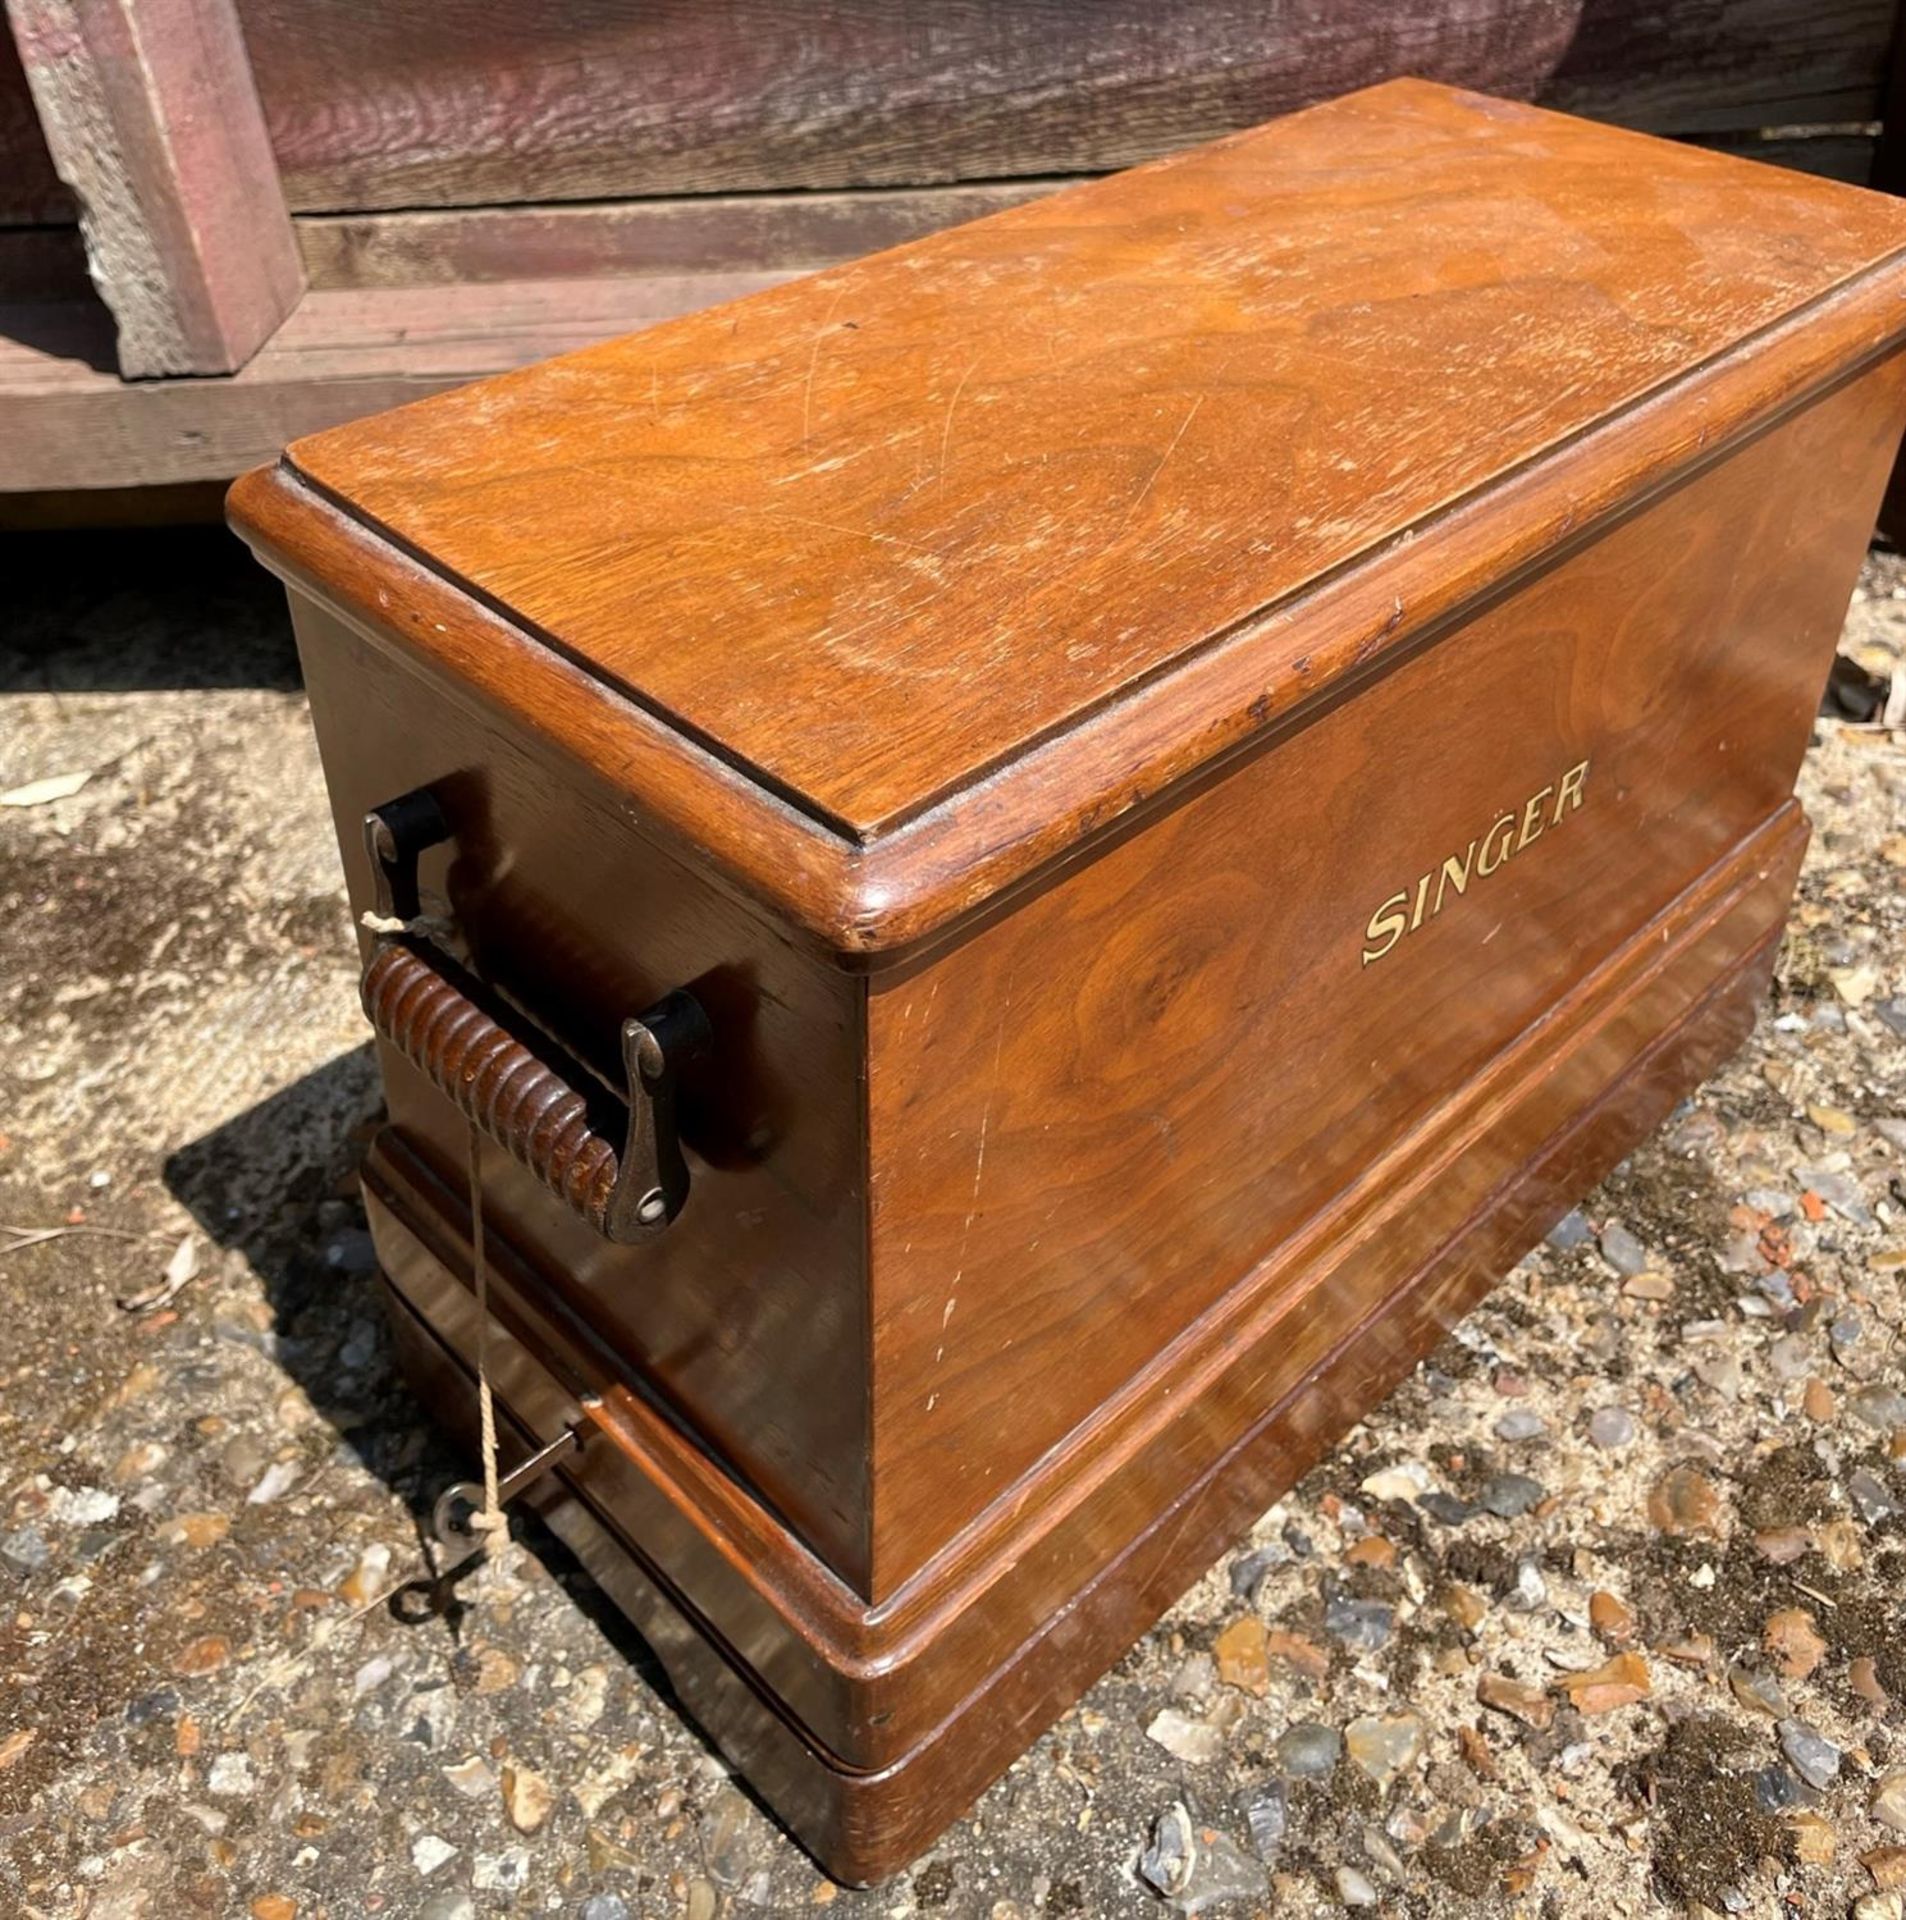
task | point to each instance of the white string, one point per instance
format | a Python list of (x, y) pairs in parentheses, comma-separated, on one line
[(490, 1520)]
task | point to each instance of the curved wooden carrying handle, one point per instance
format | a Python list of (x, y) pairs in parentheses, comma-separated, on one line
[(504, 1086)]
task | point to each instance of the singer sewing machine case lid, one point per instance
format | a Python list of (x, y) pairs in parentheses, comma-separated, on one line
[(887, 588)]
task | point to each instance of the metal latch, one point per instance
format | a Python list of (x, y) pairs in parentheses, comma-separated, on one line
[(457, 1506)]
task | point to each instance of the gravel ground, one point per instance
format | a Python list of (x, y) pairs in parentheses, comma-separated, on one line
[(1600, 1613)]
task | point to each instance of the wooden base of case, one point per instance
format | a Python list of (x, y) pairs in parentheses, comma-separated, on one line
[(868, 1728)]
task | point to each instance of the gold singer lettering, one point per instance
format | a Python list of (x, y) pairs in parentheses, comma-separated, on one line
[(1504, 837)]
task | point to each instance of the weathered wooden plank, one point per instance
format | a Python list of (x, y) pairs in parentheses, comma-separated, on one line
[(419, 103), (712, 234), (152, 121), (458, 102), (72, 423), (1726, 66), (1833, 153), (737, 233)]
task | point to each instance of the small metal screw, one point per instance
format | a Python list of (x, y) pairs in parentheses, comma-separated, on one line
[(651, 1206)]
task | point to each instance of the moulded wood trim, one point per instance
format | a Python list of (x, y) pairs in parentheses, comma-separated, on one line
[(881, 899), (835, 1656)]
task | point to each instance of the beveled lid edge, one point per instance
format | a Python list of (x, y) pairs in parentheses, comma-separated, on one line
[(884, 899)]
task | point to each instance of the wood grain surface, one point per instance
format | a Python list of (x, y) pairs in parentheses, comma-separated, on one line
[(872, 535), (710, 234), (1085, 1120), (422, 103), (73, 423), (473, 103)]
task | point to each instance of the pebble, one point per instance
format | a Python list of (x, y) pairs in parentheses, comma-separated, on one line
[(1648, 1286), (276, 1481), (505, 1872), (1722, 1373), (242, 1459), (1530, 1590), (1384, 1745), (1366, 1624), (24, 1551), (1814, 1757), (1862, 1675), (451, 1903), (372, 1674), (1406, 1481), (1867, 1493), (1619, 1683), (1777, 1791), (1248, 1569), (1530, 1705), (1843, 1195), (1814, 1840), (204, 1655), (1196, 1866), (1355, 1889), (1376, 1843), (1194, 1741), (473, 1778), (366, 1580), (1268, 1818), (1243, 1660), (1879, 1906), (731, 1840), (1510, 1495), (608, 1906), (1790, 1357), (1887, 1865), (1691, 1649), (429, 1851), (1309, 1749), (1196, 1679), (1685, 1501), (1446, 1507), (1777, 1286), (1611, 1427), (1889, 1802), (1791, 1637), (1520, 1424), (1621, 1249), (1609, 1618), (82, 1506), (1570, 1232), (1464, 1605), (1758, 1692), (527, 1798), (1879, 1406), (1834, 1120)]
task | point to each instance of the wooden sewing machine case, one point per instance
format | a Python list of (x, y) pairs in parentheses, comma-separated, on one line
[(1039, 855)]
